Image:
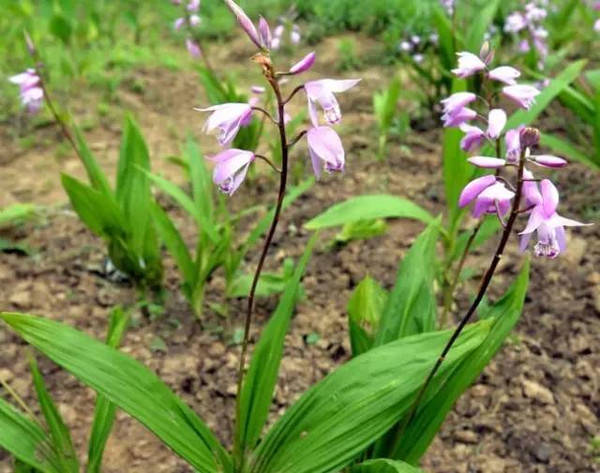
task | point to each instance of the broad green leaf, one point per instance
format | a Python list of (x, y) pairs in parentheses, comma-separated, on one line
[(364, 313), (95, 175), (411, 306), (58, 431), (259, 382), (503, 315), (366, 207), (99, 213), (480, 26), (104, 411), (187, 204), (128, 384), (360, 230), (446, 34), (556, 86), (202, 190), (384, 465), (133, 188), (343, 414), (568, 150), (26, 440), (268, 284), (174, 242)]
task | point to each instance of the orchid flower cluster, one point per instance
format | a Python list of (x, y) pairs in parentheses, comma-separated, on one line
[(529, 22), (495, 194), (31, 92), (189, 20), (324, 144)]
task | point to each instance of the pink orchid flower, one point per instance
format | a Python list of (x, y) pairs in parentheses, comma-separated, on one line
[(304, 64), (228, 119), (523, 95), (490, 196), (322, 91), (505, 74), (546, 222), (468, 64), (30, 90), (325, 146), (231, 168)]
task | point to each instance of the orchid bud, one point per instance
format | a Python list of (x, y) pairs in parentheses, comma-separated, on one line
[(245, 22), (549, 161), (264, 32), (529, 137), (29, 43), (304, 64)]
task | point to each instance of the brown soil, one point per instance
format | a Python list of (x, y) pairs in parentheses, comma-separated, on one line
[(534, 409)]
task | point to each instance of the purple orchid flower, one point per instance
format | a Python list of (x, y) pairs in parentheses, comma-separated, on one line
[(523, 95), (468, 64), (460, 116), (487, 162), (505, 74), (304, 64), (193, 5), (30, 90), (457, 101), (490, 196), (548, 161), (228, 119), (546, 222), (193, 48), (322, 91), (245, 22), (496, 123), (473, 139), (231, 168), (325, 146), (513, 144)]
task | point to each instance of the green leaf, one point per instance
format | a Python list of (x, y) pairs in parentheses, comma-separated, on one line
[(187, 204), (338, 418), (361, 229), (95, 175), (133, 188), (364, 313), (556, 86), (58, 431), (384, 465), (503, 315), (104, 411), (174, 242), (202, 188), (99, 213), (61, 28), (411, 306), (26, 440), (128, 384), (367, 207), (259, 382), (478, 28)]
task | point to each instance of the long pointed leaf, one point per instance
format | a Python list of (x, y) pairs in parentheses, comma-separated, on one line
[(366, 207), (59, 432), (26, 440), (128, 384), (260, 381), (104, 411), (342, 415), (504, 315), (384, 465), (411, 306)]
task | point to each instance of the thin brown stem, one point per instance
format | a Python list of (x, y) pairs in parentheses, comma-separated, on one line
[(268, 161), (485, 283), (267, 243), (297, 138), (266, 114), (293, 94)]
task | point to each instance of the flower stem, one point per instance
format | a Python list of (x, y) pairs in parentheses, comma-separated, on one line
[(267, 244), (485, 283)]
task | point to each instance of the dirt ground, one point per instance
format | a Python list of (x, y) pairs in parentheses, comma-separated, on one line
[(534, 410)]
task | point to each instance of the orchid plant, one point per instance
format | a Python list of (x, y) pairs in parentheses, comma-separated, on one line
[(381, 410)]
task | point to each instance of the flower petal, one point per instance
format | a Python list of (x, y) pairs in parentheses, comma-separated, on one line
[(487, 162), (550, 197), (474, 188)]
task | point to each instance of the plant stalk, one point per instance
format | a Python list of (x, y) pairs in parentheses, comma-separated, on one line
[(485, 283), (267, 243)]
